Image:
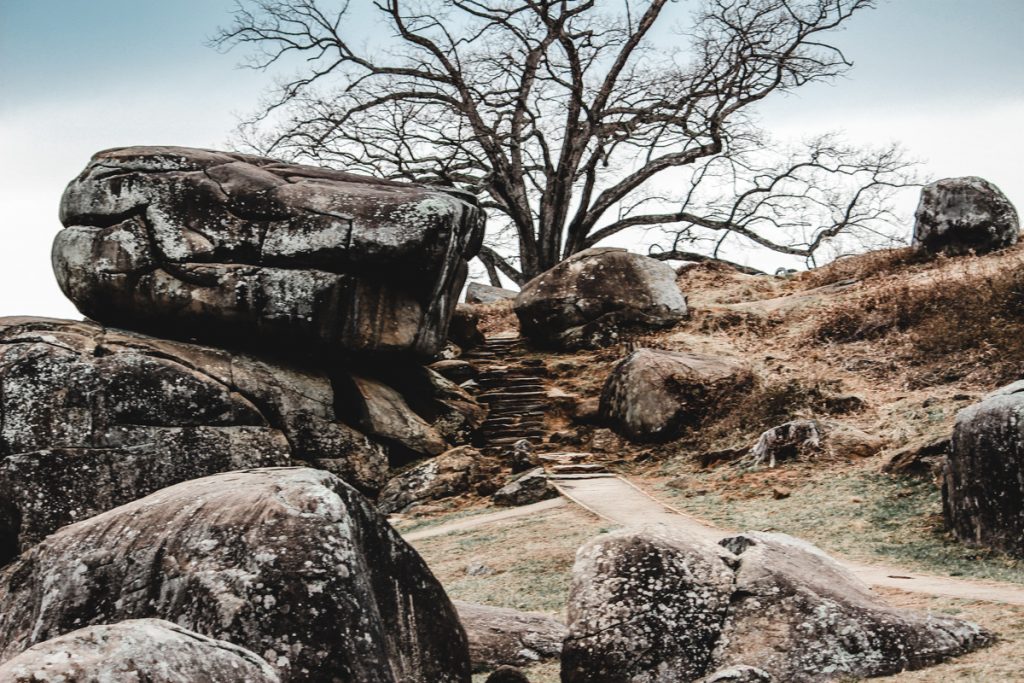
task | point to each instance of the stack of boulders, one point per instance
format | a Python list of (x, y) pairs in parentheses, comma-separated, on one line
[(200, 450)]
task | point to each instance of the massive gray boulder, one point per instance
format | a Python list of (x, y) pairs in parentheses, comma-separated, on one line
[(586, 300), (655, 395), (958, 215), (150, 650), (508, 637), (94, 417), (225, 247), (983, 483), (290, 563), (647, 606)]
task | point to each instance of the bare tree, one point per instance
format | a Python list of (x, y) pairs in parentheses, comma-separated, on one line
[(575, 120)]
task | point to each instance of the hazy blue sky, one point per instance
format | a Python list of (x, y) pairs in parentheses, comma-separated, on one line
[(945, 77)]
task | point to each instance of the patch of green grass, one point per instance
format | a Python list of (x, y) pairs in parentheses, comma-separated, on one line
[(529, 560), (860, 514)]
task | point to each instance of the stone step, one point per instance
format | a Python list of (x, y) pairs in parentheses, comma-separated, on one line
[(509, 440), (565, 457), (577, 468), (583, 475)]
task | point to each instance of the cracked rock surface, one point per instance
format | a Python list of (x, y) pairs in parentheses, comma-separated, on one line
[(648, 607), (150, 650), (289, 563), (93, 417), (584, 301), (226, 247)]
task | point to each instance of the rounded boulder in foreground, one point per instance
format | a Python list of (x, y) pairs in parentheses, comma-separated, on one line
[(959, 215), (147, 650), (290, 563)]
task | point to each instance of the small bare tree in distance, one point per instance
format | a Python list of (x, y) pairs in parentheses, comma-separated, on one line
[(575, 120)]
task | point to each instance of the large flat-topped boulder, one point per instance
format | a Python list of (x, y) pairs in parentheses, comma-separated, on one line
[(150, 650), (587, 300), (95, 417), (221, 246), (289, 563)]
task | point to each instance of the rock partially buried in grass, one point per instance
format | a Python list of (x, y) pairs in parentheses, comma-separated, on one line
[(651, 606), (499, 636), (983, 487), (226, 247), (531, 487), (586, 300), (289, 563), (959, 215), (149, 650), (655, 395)]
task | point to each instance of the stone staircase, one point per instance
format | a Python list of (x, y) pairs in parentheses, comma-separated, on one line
[(513, 389)]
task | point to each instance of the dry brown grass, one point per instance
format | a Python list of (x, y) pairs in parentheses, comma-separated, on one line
[(497, 318), (863, 266), (961, 318)]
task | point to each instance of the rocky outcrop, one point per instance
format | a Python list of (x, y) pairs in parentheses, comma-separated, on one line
[(983, 487), (586, 300), (449, 474), (646, 606), (149, 650), (241, 250), (94, 418), (959, 215), (479, 293), (654, 395), (528, 488), (290, 563), (499, 636)]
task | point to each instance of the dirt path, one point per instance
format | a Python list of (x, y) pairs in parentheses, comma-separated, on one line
[(623, 503), (482, 520)]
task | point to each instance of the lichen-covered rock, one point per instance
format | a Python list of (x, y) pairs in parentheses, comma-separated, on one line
[(654, 395), (586, 300), (499, 636), (220, 246), (738, 674), (531, 487), (95, 417), (449, 474), (290, 563), (507, 674), (958, 215), (150, 650), (645, 607), (648, 607), (983, 488), (798, 615)]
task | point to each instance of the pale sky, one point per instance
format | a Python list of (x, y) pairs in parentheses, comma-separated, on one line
[(944, 77)]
